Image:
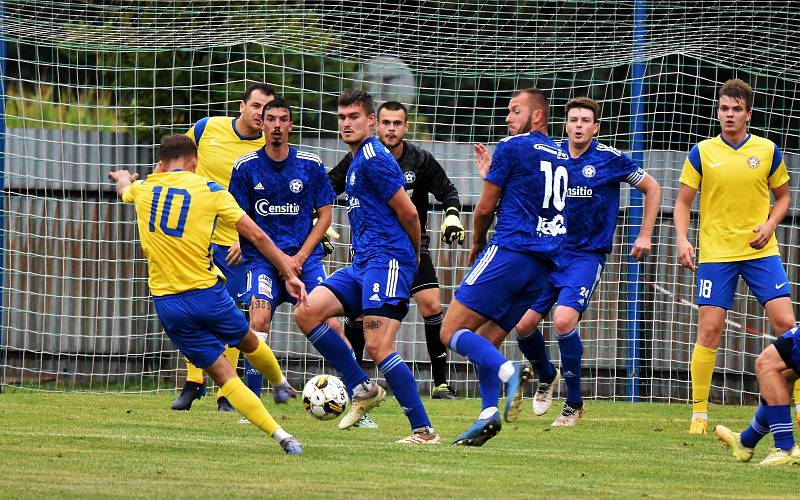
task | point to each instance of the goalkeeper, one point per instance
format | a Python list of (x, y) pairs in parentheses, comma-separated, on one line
[(423, 175)]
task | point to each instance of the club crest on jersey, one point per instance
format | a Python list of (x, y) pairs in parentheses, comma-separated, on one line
[(753, 162), (589, 171), (296, 185), (410, 177), (353, 179)]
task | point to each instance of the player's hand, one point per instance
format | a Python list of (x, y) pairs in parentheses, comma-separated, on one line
[(483, 160), (452, 230), (686, 255), (234, 256), (297, 289), (641, 248), (327, 244), (474, 252), (763, 233), (116, 175), (292, 265), (299, 261)]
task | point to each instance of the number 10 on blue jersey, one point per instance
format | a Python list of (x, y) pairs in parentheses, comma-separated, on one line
[(169, 199)]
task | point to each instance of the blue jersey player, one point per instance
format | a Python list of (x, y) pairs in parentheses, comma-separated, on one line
[(385, 232), (526, 185), (281, 189), (595, 174)]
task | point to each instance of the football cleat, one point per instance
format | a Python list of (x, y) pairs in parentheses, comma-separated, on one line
[(543, 399), (366, 422), (224, 405), (359, 406), (569, 416), (443, 391), (514, 387), (778, 456), (480, 431), (190, 392), (423, 435), (282, 393), (698, 426), (734, 441), (291, 446)]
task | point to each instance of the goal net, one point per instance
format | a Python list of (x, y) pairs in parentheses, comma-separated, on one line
[(92, 87)]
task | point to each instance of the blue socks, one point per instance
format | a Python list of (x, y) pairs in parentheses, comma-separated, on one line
[(404, 386), (779, 418), (478, 350), (336, 352), (253, 377), (757, 429), (489, 385), (571, 353), (535, 351)]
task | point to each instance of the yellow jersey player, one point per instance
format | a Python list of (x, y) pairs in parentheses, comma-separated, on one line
[(176, 211), (220, 141), (735, 172)]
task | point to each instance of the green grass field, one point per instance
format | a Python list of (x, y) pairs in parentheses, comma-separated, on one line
[(87, 445)]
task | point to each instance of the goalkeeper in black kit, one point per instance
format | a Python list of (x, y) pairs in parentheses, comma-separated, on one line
[(423, 175)]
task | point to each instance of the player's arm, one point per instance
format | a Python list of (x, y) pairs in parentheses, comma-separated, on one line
[(652, 201), (408, 217), (763, 232), (124, 179), (324, 217), (242, 193), (442, 188), (482, 220), (681, 215)]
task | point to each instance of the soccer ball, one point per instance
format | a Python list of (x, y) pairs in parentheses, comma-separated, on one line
[(324, 397)]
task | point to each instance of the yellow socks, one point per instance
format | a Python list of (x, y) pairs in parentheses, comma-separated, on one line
[(703, 361), (249, 405), (264, 361), (193, 373)]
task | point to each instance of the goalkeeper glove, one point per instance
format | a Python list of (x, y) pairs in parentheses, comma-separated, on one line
[(327, 244), (452, 229)]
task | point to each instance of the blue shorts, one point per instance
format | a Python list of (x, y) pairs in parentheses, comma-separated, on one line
[(381, 288), (572, 283), (788, 346), (235, 279), (502, 284), (716, 281), (201, 322), (264, 281)]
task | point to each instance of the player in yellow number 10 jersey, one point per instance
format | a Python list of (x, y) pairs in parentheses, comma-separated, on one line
[(176, 211)]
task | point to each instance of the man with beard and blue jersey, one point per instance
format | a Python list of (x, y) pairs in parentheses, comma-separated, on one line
[(386, 237), (596, 172), (282, 189), (526, 184)]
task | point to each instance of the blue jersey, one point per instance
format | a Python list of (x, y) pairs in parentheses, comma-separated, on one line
[(593, 195), (281, 196), (530, 169), (372, 179)]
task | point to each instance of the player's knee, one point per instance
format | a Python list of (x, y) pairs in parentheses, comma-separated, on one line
[(783, 325), (768, 360), (563, 325), (305, 319)]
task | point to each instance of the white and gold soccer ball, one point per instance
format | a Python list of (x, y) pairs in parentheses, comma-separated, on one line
[(325, 397)]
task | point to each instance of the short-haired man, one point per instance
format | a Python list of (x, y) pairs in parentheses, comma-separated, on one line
[(386, 239), (735, 172), (423, 175), (220, 141), (596, 172), (176, 211), (281, 188)]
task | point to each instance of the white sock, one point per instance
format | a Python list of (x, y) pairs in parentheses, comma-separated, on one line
[(702, 415), (797, 409), (363, 389), (280, 435), (487, 412), (505, 371)]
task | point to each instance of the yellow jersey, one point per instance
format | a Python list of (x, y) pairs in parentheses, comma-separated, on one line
[(176, 212), (219, 145), (734, 183)]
